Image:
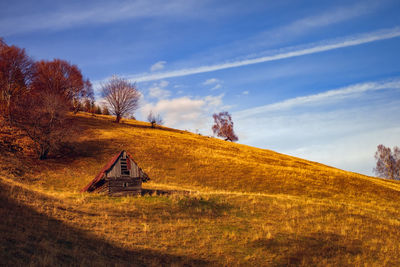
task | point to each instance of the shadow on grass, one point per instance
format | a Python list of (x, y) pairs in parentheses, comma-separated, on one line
[(108, 123), (199, 206), (297, 250), (158, 192), (28, 237)]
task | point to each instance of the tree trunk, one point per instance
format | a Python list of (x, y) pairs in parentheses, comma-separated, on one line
[(117, 120), (43, 154)]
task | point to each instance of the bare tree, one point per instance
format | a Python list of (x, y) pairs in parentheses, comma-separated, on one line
[(154, 119), (223, 126), (387, 162), (121, 96)]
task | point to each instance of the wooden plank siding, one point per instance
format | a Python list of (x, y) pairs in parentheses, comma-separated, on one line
[(124, 186), (116, 170)]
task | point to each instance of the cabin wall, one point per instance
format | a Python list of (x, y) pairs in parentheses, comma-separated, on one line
[(123, 186)]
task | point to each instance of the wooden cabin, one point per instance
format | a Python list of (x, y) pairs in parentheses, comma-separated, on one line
[(121, 176)]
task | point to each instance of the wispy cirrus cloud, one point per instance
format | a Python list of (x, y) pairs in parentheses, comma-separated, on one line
[(313, 22), (320, 98), (64, 16), (281, 34), (287, 53), (339, 127)]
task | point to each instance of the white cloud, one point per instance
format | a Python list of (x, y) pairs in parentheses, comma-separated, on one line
[(185, 112), (217, 84), (288, 53), (214, 102), (158, 91), (245, 92), (211, 81), (158, 66)]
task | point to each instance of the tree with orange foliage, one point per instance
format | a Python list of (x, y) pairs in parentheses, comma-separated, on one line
[(61, 78), (121, 96), (42, 114), (44, 119), (16, 71), (223, 126)]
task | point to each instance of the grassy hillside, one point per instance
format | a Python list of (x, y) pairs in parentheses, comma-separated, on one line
[(247, 206)]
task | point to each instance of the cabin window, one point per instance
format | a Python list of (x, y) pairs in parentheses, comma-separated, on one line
[(125, 184)]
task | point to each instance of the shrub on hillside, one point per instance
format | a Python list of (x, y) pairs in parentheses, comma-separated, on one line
[(154, 119)]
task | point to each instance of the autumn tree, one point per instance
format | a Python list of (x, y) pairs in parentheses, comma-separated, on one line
[(88, 105), (154, 119), (16, 70), (42, 114), (223, 126), (60, 77), (98, 110), (81, 96), (387, 162), (46, 123), (121, 96), (105, 111)]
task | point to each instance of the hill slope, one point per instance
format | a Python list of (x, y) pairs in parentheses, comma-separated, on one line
[(248, 206)]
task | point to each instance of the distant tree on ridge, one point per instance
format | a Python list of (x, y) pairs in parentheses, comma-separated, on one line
[(387, 162), (121, 96), (154, 119), (223, 126)]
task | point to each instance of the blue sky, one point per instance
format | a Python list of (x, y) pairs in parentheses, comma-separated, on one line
[(313, 79)]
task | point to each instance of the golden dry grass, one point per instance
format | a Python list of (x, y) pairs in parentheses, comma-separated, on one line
[(247, 206)]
